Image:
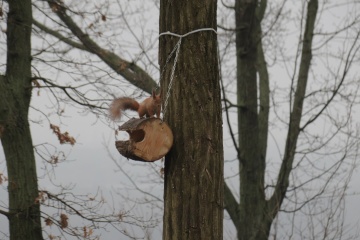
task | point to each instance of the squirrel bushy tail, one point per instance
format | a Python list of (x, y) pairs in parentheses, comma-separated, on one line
[(120, 104), (149, 107)]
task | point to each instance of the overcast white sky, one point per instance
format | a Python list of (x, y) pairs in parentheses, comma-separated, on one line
[(88, 166)]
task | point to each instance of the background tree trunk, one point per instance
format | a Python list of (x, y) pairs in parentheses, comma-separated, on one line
[(194, 166), (255, 214), (252, 163), (15, 88)]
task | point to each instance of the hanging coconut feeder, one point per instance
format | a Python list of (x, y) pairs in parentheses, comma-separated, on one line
[(150, 139)]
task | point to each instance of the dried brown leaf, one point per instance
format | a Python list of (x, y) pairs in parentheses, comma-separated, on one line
[(36, 83), (162, 172), (54, 159), (41, 198), (48, 222), (64, 220), (2, 178), (63, 137)]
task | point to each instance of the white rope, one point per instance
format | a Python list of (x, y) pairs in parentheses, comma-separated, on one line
[(187, 34), (167, 61), (177, 48)]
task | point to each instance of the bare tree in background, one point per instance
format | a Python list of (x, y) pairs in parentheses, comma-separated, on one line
[(86, 58), (15, 89), (302, 104), (27, 220)]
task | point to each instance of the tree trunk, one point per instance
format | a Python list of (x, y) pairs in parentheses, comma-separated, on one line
[(193, 194), (255, 215), (15, 88), (252, 225)]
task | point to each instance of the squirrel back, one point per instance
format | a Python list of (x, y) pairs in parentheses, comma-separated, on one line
[(149, 107)]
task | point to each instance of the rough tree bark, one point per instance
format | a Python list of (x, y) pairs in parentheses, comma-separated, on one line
[(194, 167), (15, 94)]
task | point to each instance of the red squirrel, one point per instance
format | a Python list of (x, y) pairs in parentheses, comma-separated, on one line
[(149, 107)]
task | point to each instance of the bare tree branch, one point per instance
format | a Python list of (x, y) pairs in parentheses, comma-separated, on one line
[(295, 116), (231, 205), (56, 34), (130, 71), (5, 213), (348, 63)]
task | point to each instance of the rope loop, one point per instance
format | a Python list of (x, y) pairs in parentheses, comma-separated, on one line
[(176, 50)]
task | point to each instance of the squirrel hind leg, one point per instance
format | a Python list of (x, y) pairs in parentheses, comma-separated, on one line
[(142, 114)]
